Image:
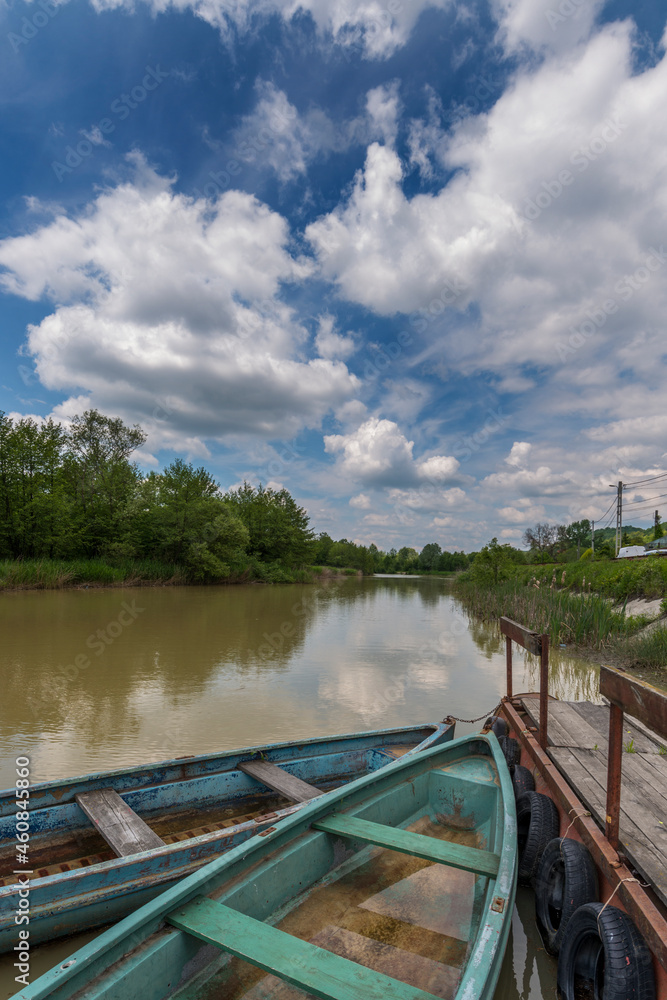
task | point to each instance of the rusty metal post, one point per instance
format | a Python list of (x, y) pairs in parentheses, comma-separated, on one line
[(508, 660), (615, 751), (544, 690)]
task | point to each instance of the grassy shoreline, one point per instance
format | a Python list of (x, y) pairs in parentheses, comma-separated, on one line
[(582, 606), (68, 574)]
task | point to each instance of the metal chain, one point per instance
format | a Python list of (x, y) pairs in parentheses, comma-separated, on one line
[(455, 718)]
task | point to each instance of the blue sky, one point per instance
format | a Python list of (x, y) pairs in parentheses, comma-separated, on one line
[(405, 258)]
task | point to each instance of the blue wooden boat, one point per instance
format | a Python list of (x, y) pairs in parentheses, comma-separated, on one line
[(104, 844), (397, 886)]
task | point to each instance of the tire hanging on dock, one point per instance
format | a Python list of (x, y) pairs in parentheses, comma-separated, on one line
[(604, 953), (511, 750), (538, 823), (497, 726), (522, 780), (565, 879)]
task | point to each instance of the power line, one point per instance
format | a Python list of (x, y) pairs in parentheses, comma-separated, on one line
[(612, 504), (652, 479), (643, 510), (635, 503)]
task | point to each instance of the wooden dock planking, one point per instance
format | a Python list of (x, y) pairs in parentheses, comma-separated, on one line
[(124, 831), (598, 717), (279, 780), (578, 746)]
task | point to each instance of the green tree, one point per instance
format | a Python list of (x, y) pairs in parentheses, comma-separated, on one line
[(34, 513), (277, 526), (101, 478), (429, 556), (541, 539), (182, 515), (407, 559), (580, 533), (322, 548), (492, 563)]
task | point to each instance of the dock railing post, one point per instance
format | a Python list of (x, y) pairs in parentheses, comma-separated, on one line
[(615, 752), (544, 689), (538, 645), (508, 660), (641, 701)]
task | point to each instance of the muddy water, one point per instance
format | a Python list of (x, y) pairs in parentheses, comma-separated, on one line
[(95, 679)]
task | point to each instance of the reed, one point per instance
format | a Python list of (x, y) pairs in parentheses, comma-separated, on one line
[(617, 579), (55, 574), (582, 620), (648, 650)]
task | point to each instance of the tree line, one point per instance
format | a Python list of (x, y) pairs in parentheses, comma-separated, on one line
[(75, 493), (371, 559)]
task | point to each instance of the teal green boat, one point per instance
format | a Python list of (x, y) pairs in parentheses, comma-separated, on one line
[(398, 886)]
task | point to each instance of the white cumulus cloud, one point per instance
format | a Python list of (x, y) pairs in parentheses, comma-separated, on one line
[(168, 312)]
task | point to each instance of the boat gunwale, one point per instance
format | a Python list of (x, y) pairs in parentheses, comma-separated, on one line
[(67, 788), (493, 926)]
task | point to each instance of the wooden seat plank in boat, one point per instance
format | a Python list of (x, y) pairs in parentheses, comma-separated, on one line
[(470, 859), (279, 780), (124, 831), (316, 970)]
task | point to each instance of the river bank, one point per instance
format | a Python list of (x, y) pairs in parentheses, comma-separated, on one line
[(595, 625), (61, 574)]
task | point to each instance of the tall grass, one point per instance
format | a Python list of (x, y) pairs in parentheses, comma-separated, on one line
[(647, 650), (620, 580), (54, 574), (586, 620)]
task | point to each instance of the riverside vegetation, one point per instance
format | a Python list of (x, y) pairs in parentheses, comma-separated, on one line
[(580, 603), (74, 510)]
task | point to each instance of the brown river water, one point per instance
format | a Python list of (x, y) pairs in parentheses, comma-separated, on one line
[(96, 679)]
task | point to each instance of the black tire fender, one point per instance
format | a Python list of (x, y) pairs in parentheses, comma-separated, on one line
[(522, 780), (497, 726), (602, 947), (565, 879), (537, 824), (511, 750)]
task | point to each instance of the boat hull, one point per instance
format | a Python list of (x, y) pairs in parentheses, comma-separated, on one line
[(456, 799), (183, 794)]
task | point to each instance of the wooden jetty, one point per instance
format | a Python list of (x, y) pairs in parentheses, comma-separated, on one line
[(605, 767)]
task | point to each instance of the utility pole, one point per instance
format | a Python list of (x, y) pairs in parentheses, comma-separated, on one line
[(619, 513), (592, 539)]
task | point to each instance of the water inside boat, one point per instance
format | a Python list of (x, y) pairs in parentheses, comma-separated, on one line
[(411, 919)]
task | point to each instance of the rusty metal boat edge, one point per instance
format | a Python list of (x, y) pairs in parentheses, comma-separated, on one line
[(616, 879)]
